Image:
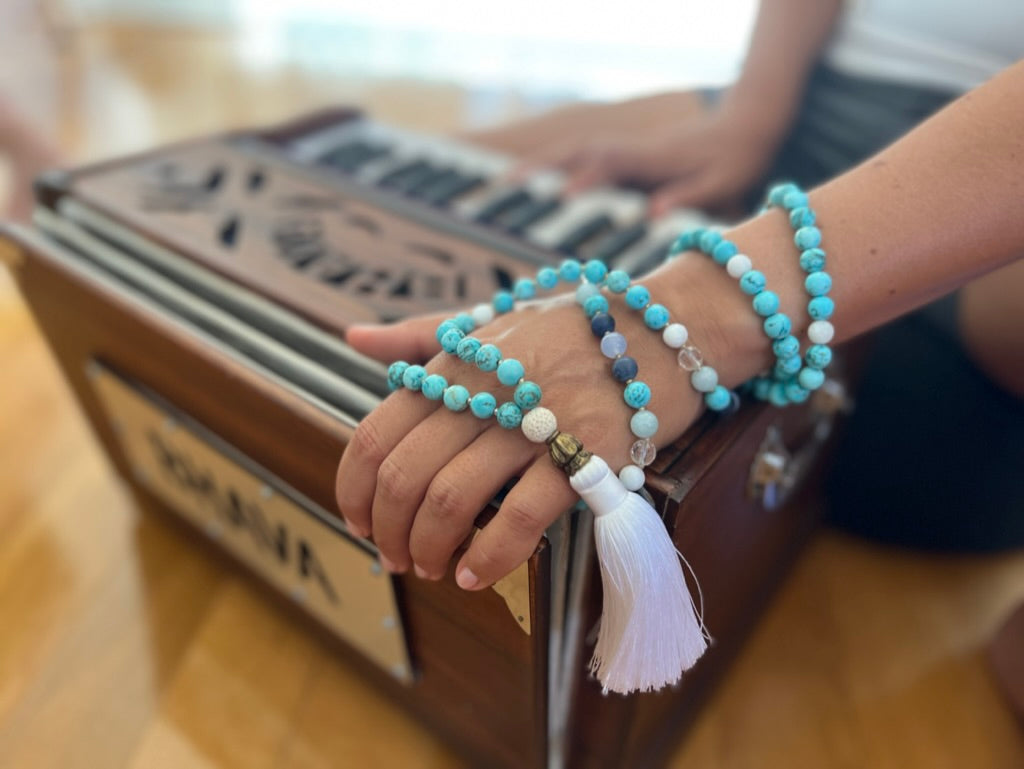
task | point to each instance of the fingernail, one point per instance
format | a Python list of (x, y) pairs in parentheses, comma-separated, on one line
[(421, 573), (387, 564), (355, 530), (466, 579)]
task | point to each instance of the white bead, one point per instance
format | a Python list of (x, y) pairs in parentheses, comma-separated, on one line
[(675, 335), (538, 425), (482, 314), (820, 332), (586, 290), (632, 477), (738, 265)]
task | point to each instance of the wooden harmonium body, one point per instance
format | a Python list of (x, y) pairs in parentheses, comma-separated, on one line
[(197, 297)]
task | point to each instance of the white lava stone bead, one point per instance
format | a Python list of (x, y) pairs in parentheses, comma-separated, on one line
[(539, 425), (738, 265), (675, 335), (820, 332), (482, 314), (632, 477)]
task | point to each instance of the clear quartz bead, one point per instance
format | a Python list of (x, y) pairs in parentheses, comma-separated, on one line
[(643, 452), (690, 358)]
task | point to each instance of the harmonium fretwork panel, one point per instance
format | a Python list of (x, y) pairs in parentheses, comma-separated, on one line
[(196, 297)]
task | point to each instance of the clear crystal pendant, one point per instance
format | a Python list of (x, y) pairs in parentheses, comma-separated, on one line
[(643, 452), (690, 358)]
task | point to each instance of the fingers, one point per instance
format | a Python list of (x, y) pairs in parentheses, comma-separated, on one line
[(510, 538), (694, 191), (410, 340)]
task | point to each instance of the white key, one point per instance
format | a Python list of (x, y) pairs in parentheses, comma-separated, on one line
[(309, 148)]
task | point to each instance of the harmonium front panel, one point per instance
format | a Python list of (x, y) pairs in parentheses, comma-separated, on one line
[(196, 298)]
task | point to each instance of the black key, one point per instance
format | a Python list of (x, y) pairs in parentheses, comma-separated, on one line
[(614, 244), (424, 185), (523, 217), (392, 178), (583, 232), (413, 179), (341, 154), (443, 194), (502, 205), (368, 153)]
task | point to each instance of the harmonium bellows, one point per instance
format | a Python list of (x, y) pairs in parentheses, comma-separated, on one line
[(196, 297)]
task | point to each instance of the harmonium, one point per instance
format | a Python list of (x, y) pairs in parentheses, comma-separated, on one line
[(197, 298)]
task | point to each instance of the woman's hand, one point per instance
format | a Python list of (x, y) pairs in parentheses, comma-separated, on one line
[(416, 475)]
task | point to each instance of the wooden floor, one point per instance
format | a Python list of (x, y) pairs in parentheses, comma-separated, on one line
[(122, 644)]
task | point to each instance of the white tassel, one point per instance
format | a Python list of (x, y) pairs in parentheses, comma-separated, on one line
[(649, 630)]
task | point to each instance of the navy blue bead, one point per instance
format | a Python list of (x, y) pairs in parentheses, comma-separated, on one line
[(602, 324), (624, 369)]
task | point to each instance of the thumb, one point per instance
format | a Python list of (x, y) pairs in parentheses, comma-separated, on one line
[(411, 340)]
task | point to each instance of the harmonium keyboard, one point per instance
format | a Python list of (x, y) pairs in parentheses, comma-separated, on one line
[(197, 296)]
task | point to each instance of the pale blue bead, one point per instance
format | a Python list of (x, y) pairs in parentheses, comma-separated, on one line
[(811, 378), (488, 357), (527, 395), (718, 399), (801, 217), (467, 349), (777, 394), (818, 356), (777, 326), (637, 297), (586, 290), (444, 327), (794, 199), (450, 340), (482, 405), (812, 260), (503, 302), (395, 371), (807, 237), (465, 322), (636, 394), (510, 371), (709, 240), (821, 308), (413, 377), (617, 281), (795, 393), (766, 303), (656, 317), (818, 283), (456, 397), (547, 277), (595, 270), (595, 304), (752, 282), (786, 347), (704, 379), (778, 193), (787, 367), (509, 415), (524, 288), (643, 424), (613, 345), (569, 270), (433, 386), (723, 252)]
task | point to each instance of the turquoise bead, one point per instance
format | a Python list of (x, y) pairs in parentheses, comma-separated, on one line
[(656, 317), (761, 388), (643, 424), (450, 340), (467, 349), (723, 252), (595, 304), (778, 193), (413, 377), (787, 367), (433, 387), (807, 237), (569, 270), (777, 394), (444, 327), (801, 217), (795, 392), (395, 371), (709, 240), (547, 277), (595, 270), (456, 397), (718, 399), (811, 378), (818, 356), (482, 405), (777, 326), (488, 357), (465, 322), (812, 260), (794, 199), (636, 394), (617, 281), (752, 282), (637, 297), (509, 415), (821, 308), (786, 347), (684, 242), (818, 283), (766, 303), (527, 395), (510, 371), (524, 288), (503, 302)]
